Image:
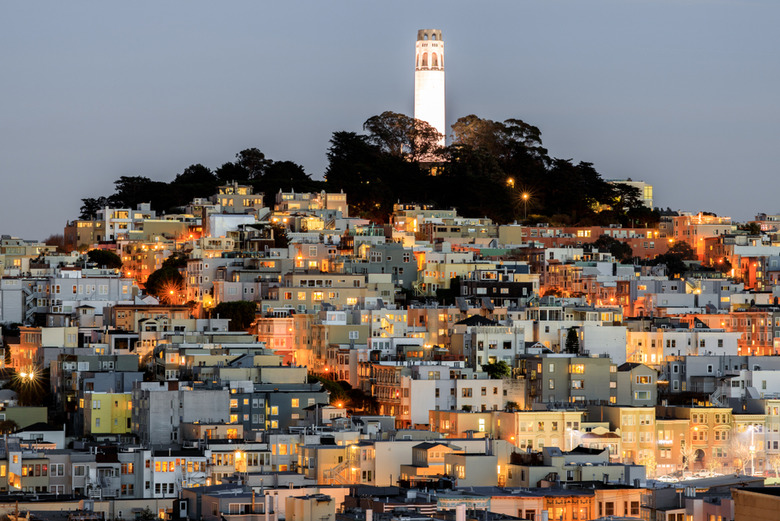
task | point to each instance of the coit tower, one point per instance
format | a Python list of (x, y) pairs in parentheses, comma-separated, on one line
[(429, 79)]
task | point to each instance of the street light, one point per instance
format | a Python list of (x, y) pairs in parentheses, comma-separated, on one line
[(752, 429), (572, 432), (525, 196)]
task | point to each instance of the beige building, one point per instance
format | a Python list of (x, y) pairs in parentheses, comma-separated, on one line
[(636, 426), (316, 507)]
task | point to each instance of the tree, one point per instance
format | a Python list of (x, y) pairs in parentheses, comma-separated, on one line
[(572, 341), (175, 260), (90, 207), (57, 240), (682, 250), (241, 313), (104, 259), (280, 236), (688, 453), (253, 161), (165, 284), (497, 370), (774, 460), (402, 136), (752, 228), (146, 515), (621, 251), (512, 406), (129, 191), (739, 450), (196, 175), (649, 462), (285, 176), (8, 427)]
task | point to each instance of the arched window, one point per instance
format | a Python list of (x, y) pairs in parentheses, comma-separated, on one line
[(417, 61), (433, 36), (425, 59), (434, 60), (425, 37), (441, 61)]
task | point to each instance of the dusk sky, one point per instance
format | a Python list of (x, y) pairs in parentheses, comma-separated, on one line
[(680, 94)]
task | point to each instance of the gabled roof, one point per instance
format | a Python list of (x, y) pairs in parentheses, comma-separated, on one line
[(429, 445), (477, 320)]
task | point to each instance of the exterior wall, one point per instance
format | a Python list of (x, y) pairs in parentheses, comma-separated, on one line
[(637, 386), (429, 97), (750, 505), (107, 413)]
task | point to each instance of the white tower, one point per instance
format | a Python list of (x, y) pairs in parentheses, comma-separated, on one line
[(429, 80)]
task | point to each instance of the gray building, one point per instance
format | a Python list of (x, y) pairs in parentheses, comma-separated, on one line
[(159, 408), (390, 258), (565, 378), (276, 406), (637, 385)]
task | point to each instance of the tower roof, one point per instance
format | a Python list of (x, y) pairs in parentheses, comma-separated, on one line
[(429, 34)]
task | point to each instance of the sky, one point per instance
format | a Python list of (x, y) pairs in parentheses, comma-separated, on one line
[(680, 94)]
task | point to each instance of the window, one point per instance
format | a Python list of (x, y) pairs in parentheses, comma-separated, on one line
[(551, 384), (295, 402), (466, 392)]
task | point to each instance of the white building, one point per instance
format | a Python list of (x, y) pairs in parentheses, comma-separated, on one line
[(429, 80)]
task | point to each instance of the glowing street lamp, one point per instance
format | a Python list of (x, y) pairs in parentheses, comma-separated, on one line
[(572, 432), (752, 429), (525, 197)]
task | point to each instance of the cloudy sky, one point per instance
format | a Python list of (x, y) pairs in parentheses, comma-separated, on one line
[(682, 94)]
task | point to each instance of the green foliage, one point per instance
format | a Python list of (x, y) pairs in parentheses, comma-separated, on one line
[(175, 260), (484, 172), (104, 259), (58, 240), (512, 406), (31, 391), (498, 369), (401, 136), (683, 250), (572, 341), (447, 296), (673, 259), (620, 250), (280, 236), (752, 228), (90, 207), (342, 394), (241, 313), (8, 427), (161, 282)]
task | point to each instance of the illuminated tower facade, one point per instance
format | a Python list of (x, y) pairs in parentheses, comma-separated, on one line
[(429, 79)]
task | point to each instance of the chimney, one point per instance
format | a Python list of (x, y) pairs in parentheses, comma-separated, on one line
[(460, 512)]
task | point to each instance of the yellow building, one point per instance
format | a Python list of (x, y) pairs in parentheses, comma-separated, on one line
[(436, 274), (636, 426), (709, 444), (106, 413)]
